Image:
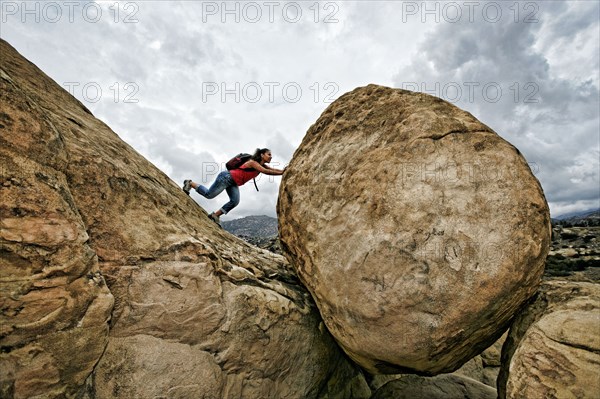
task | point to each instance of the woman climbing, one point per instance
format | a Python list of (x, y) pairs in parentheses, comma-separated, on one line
[(230, 180)]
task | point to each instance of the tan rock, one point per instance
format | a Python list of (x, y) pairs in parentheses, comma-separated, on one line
[(483, 368), (438, 387), (132, 371), (490, 376), (417, 229), (55, 303), (263, 336), (198, 312), (567, 252), (553, 349)]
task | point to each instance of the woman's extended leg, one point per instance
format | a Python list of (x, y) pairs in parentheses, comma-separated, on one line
[(217, 187)]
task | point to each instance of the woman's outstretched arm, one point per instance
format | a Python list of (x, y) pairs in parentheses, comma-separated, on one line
[(267, 170)]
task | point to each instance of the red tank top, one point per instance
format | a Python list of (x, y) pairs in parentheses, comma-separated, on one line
[(241, 176)]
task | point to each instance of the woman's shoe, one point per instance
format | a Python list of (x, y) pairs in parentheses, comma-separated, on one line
[(215, 219), (187, 186)]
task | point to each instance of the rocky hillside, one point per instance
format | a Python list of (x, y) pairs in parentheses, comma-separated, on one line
[(252, 226), (260, 231)]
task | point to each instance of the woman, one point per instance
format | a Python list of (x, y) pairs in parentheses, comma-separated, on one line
[(230, 180)]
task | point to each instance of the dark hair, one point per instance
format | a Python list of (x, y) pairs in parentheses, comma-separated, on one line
[(258, 154)]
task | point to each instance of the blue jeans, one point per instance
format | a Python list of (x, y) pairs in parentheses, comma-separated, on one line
[(224, 182)]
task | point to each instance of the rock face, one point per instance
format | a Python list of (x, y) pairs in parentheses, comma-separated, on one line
[(55, 303), (439, 387), (197, 312), (553, 348), (417, 229)]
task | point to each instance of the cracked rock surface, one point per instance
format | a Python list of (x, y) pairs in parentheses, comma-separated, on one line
[(197, 312), (417, 229), (553, 348)]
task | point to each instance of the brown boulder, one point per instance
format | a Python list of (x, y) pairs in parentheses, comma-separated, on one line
[(417, 229), (553, 348), (198, 312)]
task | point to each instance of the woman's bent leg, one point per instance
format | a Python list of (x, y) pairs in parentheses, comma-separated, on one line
[(234, 199)]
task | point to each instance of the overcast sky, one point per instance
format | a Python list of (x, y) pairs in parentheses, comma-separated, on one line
[(189, 84)]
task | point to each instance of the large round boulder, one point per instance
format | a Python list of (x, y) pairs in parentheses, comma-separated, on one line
[(417, 229)]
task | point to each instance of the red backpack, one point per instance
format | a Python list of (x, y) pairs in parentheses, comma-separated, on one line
[(237, 162)]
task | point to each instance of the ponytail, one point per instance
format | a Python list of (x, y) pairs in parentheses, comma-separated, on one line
[(258, 154)]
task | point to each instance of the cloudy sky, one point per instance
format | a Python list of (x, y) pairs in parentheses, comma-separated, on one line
[(189, 84)]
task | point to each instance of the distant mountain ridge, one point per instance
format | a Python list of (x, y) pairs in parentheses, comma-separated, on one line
[(579, 214), (261, 226), (590, 217)]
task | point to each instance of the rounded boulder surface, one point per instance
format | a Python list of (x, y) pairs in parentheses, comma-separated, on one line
[(417, 229)]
